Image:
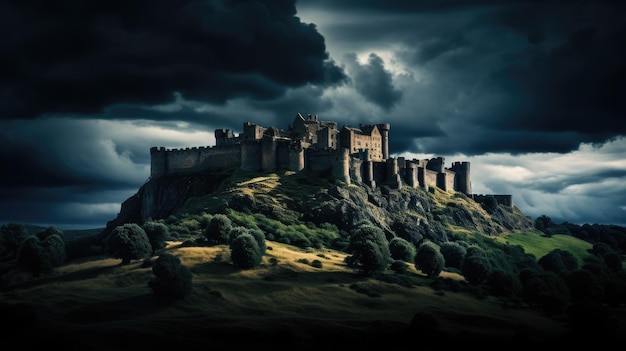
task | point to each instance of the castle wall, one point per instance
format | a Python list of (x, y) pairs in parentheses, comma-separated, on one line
[(194, 159), (427, 177), (318, 160), (270, 149), (296, 159), (251, 155), (449, 179), (410, 175), (269, 157)]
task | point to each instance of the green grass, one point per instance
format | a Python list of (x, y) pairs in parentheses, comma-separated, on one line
[(537, 244)]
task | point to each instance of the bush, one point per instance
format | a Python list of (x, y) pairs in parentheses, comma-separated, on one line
[(218, 230), (128, 242), (429, 260), (453, 253), (316, 263), (369, 249), (157, 234), (42, 256), (172, 280), (401, 249), (245, 252)]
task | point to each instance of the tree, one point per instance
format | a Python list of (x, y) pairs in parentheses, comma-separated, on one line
[(548, 291), (218, 230), (51, 230), (245, 252), (401, 249), (429, 259), (158, 233), (172, 280), (369, 249), (42, 256), (559, 261), (476, 269), (260, 239), (12, 235), (128, 242), (453, 253)]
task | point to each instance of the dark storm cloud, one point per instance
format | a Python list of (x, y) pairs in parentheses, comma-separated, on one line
[(557, 69), (373, 81), (80, 56)]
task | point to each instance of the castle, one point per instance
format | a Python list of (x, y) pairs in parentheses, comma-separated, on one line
[(353, 155)]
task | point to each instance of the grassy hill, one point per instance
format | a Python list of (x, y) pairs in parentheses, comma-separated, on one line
[(285, 303), (302, 296)]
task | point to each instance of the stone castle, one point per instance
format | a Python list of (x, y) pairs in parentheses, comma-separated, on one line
[(353, 155)]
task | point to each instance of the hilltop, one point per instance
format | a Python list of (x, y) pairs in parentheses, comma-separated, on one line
[(317, 198)]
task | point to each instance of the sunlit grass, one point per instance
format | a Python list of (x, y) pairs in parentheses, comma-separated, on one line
[(537, 244)]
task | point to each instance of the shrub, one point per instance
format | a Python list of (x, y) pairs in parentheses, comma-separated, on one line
[(453, 253), (42, 256), (128, 242), (157, 234), (172, 280), (218, 230), (401, 249), (12, 235), (369, 249), (316, 263), (429, 260), (245, 252)]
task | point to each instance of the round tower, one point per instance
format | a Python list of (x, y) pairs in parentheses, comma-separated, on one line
[(384, 133)]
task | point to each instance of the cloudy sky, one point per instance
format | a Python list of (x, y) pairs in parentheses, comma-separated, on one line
[(532, 93)]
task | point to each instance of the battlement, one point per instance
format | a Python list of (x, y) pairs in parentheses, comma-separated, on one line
[(359, 155)]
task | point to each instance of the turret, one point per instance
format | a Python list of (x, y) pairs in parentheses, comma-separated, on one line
[(384, 133)]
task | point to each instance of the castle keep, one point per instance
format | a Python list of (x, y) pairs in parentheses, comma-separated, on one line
[(353, 155)]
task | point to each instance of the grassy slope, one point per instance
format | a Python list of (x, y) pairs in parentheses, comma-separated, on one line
[(95, 303), (537, 244)]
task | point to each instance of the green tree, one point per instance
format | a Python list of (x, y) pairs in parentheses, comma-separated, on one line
[(12, 236), (401, 249), (237, 231), (260, 239), (476, 267), (128, 242), (42, 256), (559, 261), (30, 256), (429, 259), (172, 280), (158, 234), (548, 291), (453, 253), (245, 252), (369, 249), (504, 283), (218, 230)]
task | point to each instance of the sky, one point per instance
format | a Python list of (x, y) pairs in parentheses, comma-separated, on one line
[(531, 93)]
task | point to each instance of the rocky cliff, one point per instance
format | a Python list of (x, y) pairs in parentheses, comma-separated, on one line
[(412, 213)]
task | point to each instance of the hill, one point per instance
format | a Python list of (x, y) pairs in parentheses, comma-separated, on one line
[(317, 198), (304, 295), (285, 303)]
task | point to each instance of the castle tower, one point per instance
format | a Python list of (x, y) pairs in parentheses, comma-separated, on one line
[(341, 165), (463, 179), (384, 133), (158, 162)]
